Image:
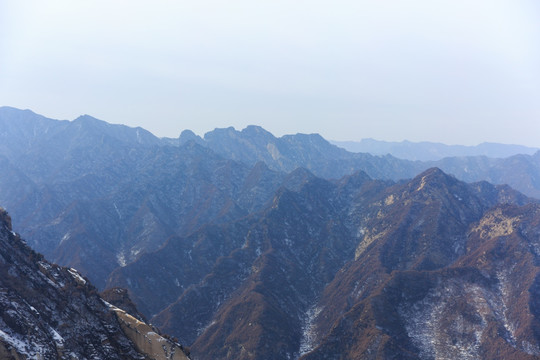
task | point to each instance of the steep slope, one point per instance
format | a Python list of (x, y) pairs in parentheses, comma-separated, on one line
[(106, 215), (484, 306), (50, 312), (291, 280), (411, 291), (276, 261)]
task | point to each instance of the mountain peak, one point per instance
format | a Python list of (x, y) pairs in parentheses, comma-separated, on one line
[(254, 131), (12, 110), (188, 135), (88, 118), (297, 178), (220, 132), (432, 177), (434, 172)]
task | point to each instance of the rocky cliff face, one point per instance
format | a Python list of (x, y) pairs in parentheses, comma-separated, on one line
[(51, 312)]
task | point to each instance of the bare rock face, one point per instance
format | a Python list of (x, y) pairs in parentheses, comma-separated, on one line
[(119, 298), (52, 312), (147, 339)]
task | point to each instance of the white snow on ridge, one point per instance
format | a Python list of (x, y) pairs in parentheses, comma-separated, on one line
[(76, 276), (23, 346), (57, 337)]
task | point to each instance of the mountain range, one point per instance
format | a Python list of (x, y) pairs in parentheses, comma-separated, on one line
[(297, 279), (247, 246), (430, 151)]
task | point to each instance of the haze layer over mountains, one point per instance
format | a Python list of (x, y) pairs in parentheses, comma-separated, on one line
[(247, 246)]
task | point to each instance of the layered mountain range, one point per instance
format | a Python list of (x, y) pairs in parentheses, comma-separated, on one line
[(331, 271), (248, 246)]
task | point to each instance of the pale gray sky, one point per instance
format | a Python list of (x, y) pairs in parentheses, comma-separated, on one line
[(453, 71)]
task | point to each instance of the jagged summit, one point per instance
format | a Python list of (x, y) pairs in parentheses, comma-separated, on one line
[(355, 179), (432, 179), (188, 135), (218, 132)]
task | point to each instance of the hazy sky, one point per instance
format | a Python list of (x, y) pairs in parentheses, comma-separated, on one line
[(454, 71)]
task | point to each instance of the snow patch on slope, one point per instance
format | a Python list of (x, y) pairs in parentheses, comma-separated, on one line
[(430, 330), (309, 336)]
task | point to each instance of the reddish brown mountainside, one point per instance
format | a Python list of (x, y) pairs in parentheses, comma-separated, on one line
[(352, 269), (454, 289)]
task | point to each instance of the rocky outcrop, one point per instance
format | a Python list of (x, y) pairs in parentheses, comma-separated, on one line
[(147, 339), (52, 312)]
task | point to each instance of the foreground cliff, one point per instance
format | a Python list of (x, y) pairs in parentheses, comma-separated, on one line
[(51, 312)]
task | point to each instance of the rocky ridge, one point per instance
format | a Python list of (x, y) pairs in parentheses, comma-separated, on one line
[(85, 190), (297, 279), (52, 312)]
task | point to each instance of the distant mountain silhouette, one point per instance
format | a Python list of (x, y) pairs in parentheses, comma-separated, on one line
[(431, 151), (521, 171)]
